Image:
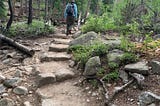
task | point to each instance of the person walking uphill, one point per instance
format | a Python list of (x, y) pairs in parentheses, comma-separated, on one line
[(70, 15)]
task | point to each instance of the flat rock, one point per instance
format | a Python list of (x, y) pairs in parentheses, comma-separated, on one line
[(64, 74), (52, 56), (58, 48), (139, 67), (62, 41), (45, 78), (6, 102), (27, 103), (63, 36), (20, 90)]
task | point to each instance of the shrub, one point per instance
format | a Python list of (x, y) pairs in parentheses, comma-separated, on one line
[(111, 76), (113, 65), (128, 58), (36, 28)]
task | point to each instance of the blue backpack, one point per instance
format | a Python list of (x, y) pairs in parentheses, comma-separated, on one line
[(70, 9)]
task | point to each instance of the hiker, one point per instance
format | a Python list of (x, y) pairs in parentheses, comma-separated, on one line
[(70, 15)]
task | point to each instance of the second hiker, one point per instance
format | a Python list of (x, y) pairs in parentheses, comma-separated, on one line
[(70, 15)]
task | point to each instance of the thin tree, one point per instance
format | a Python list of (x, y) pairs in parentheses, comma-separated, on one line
[(30, 12), (11, 15)]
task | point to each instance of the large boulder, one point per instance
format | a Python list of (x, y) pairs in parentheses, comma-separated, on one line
[(87, 38), (92, 66), (139, 67)]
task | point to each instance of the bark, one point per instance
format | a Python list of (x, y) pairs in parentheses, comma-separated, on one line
[(21, 8), (11, 15), (38, 3), (18, 46), (30, 12), (46, 10)]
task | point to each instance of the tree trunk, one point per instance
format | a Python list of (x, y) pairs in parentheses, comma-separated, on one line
[(30, 12), (21, 47), (11, 15), (38, 3), (21, 8), (46, 11)]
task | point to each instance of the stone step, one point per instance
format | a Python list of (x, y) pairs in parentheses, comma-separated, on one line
[(58, 47), (62, 41), (53, 56), (62, 36)]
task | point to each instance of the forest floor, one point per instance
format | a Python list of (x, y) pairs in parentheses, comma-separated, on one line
[(65, 92)]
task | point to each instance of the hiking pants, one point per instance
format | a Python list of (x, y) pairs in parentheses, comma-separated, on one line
[(70, 23)]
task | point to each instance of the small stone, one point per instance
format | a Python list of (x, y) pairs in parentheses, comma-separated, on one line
[(89, 92), (6, 102), (30, 92), (88, 100), (18, 73), (2, 88), (94, 94), (2, 78), (5, 95), (12, 82), (27, 103), (20, 90), (87, 88), (6, 61), (71, 63)]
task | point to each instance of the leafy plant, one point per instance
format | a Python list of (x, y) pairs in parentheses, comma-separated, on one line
[(128, 58), (111, 76), (113, 65)]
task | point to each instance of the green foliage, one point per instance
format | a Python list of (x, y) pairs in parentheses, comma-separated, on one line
[(99, 24), (101, 72), (126, 45), (36, 28), (113, 65), (2, 9), (111, 76), (83, 52), (128, 58)]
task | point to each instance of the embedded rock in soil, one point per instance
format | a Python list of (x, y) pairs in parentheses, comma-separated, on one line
[(20, 90), (6, 102), (139, 67), (12, 82), (92, 66), (155, 67), (2, 88)]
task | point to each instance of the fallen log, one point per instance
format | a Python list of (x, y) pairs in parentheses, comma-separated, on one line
[(18, 46)]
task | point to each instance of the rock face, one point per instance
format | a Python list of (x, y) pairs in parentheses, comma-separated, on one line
[(46, 78), (20, 90), (155, 67), (92, 66), (77, 34), (139, 67), (147, 98), (87, 38), (6, 102)]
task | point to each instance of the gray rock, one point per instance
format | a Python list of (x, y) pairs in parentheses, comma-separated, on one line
[(77, 34), (156, 37), (64, 74), (2, 78), (6, 102), (112, 43), (45, 78), (71, 63), (2, 88), (6, 61), (139, 67), (20, 90), (12, 82), (115, 55), (87, 38), (18, 73), (92, 66), (124, 76), (147, 98), (155, 67)]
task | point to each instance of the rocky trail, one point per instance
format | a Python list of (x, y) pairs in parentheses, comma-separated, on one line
[(46, 79), (50, 77)]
